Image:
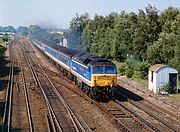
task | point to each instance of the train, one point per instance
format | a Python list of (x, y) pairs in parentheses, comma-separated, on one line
[(95, 75)]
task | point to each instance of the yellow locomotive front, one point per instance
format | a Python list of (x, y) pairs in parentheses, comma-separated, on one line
[(103, 79), (104, 76)]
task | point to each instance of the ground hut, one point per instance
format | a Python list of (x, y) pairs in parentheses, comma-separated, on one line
[(161, 75)]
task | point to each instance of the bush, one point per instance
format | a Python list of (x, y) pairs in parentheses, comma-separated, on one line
[(142, 69), (168, 88), (121, 70), (134, 69), (137, 74), (2, 49), (129, 73), (129, 68)]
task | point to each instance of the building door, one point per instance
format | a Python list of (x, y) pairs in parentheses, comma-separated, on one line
[(173, 81)]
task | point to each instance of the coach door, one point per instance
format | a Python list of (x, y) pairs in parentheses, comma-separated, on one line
[(173, 81)]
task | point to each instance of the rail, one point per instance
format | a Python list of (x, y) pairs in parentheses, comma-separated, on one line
[(77, 124), (50, 110), (148, 111), (8, 102), (27, 100)]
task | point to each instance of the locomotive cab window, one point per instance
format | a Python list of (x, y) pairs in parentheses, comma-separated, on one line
[(110, 70), (98, 69), (104, 70), (89, 69)]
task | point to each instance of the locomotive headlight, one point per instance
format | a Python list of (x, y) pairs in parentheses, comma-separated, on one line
[(94, 77)]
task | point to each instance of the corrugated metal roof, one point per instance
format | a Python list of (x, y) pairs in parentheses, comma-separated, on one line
[(156, 67)]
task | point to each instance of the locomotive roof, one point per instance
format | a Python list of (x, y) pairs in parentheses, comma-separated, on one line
[(86, 59), (101, 62)]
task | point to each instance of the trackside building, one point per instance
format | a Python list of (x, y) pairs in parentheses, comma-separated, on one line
[(161, 75)]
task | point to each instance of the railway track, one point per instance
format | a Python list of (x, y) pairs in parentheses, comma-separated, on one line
[(125, 118), (151, 109), (152, 100), (148, 93), (136, 118), (133, 114), (38, 110), (136, 123), (31, 127), (6, 124), (52, 97), (13, 105), (114, 110), (53, 124), (128, 118)]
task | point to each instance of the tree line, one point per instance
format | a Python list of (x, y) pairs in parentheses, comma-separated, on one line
[(43, 34), (148, 36)]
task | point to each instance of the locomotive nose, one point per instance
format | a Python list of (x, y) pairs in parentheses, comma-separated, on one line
[(104, 80)]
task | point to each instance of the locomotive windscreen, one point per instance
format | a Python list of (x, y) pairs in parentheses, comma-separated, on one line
[(104, 70)]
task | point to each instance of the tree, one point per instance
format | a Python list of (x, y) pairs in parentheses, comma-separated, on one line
[(146, 32), (122, 35), (34, 29), (22, 30), (167, 17), (175, 62), (77, 25), (162, 50), (8, 29)]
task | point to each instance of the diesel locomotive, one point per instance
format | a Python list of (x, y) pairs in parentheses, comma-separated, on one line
[(95, 75)]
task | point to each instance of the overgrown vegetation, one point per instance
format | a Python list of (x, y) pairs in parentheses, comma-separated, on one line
[(134, 69), (149, 36), (2, 47)]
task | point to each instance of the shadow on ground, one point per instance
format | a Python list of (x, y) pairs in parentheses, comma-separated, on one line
[(129, 95), (4, 72), (1, 116), (3, 67), (12, 130), (1, 108)]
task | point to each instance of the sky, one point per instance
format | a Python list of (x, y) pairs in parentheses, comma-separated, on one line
[(58, 13)]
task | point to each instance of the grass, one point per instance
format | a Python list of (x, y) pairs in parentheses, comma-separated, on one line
[(175, 97), (142, 81)]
